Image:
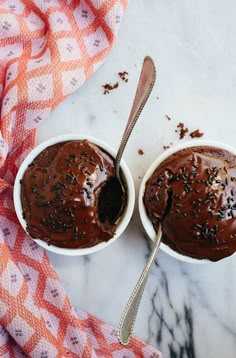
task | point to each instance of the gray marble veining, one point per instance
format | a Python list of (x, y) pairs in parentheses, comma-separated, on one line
[(188, 311)]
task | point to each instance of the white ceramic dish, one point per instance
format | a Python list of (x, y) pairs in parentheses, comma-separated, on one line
[(143, 214), (123, 221)]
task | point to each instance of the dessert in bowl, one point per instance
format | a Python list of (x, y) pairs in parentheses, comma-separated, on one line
[(59, 195), (191, 191)]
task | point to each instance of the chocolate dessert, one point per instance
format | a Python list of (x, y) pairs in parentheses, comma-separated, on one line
[(61, 198), (193, 195)]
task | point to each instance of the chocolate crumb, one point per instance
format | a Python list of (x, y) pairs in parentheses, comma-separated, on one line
[(182, 130), (123, 76), (168, 117), (108, 87), (196, 134), (167, 146), (140, 152)]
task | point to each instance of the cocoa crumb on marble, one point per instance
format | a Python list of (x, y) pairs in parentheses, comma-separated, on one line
[(196, 134), (140, 152), (182, 130), (168, 117), (109, 87), (167, 146), (124, 76)]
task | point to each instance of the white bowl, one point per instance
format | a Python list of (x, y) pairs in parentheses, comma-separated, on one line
[(142, 211), (121, 224)]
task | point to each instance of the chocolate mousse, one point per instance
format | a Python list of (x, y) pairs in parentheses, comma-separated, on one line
[(61, 198), (193, 195)]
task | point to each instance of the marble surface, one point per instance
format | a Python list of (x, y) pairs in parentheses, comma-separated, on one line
[(187, 310)]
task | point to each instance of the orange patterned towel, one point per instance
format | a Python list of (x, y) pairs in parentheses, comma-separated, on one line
[(48, 49)]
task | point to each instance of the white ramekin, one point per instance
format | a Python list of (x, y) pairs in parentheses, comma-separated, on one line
[(142, 211), (123, 221)]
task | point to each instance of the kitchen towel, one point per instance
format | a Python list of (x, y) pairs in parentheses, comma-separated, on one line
[(48, 49)]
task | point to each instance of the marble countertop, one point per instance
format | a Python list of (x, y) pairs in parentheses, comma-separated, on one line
[(187, 310)]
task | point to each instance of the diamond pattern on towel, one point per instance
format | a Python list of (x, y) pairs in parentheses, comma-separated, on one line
[(21, 330)]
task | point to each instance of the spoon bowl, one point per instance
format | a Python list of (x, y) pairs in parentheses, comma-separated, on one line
[(112, 200)]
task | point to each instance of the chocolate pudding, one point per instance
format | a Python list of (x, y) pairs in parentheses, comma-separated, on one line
[(61, 198), (193, 195)]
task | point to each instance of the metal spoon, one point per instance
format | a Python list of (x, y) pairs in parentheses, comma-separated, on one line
[(114, 190), (129, 315)]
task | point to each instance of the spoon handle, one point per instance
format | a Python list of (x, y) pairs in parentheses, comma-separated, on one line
[(145, 85), (129, 315)]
